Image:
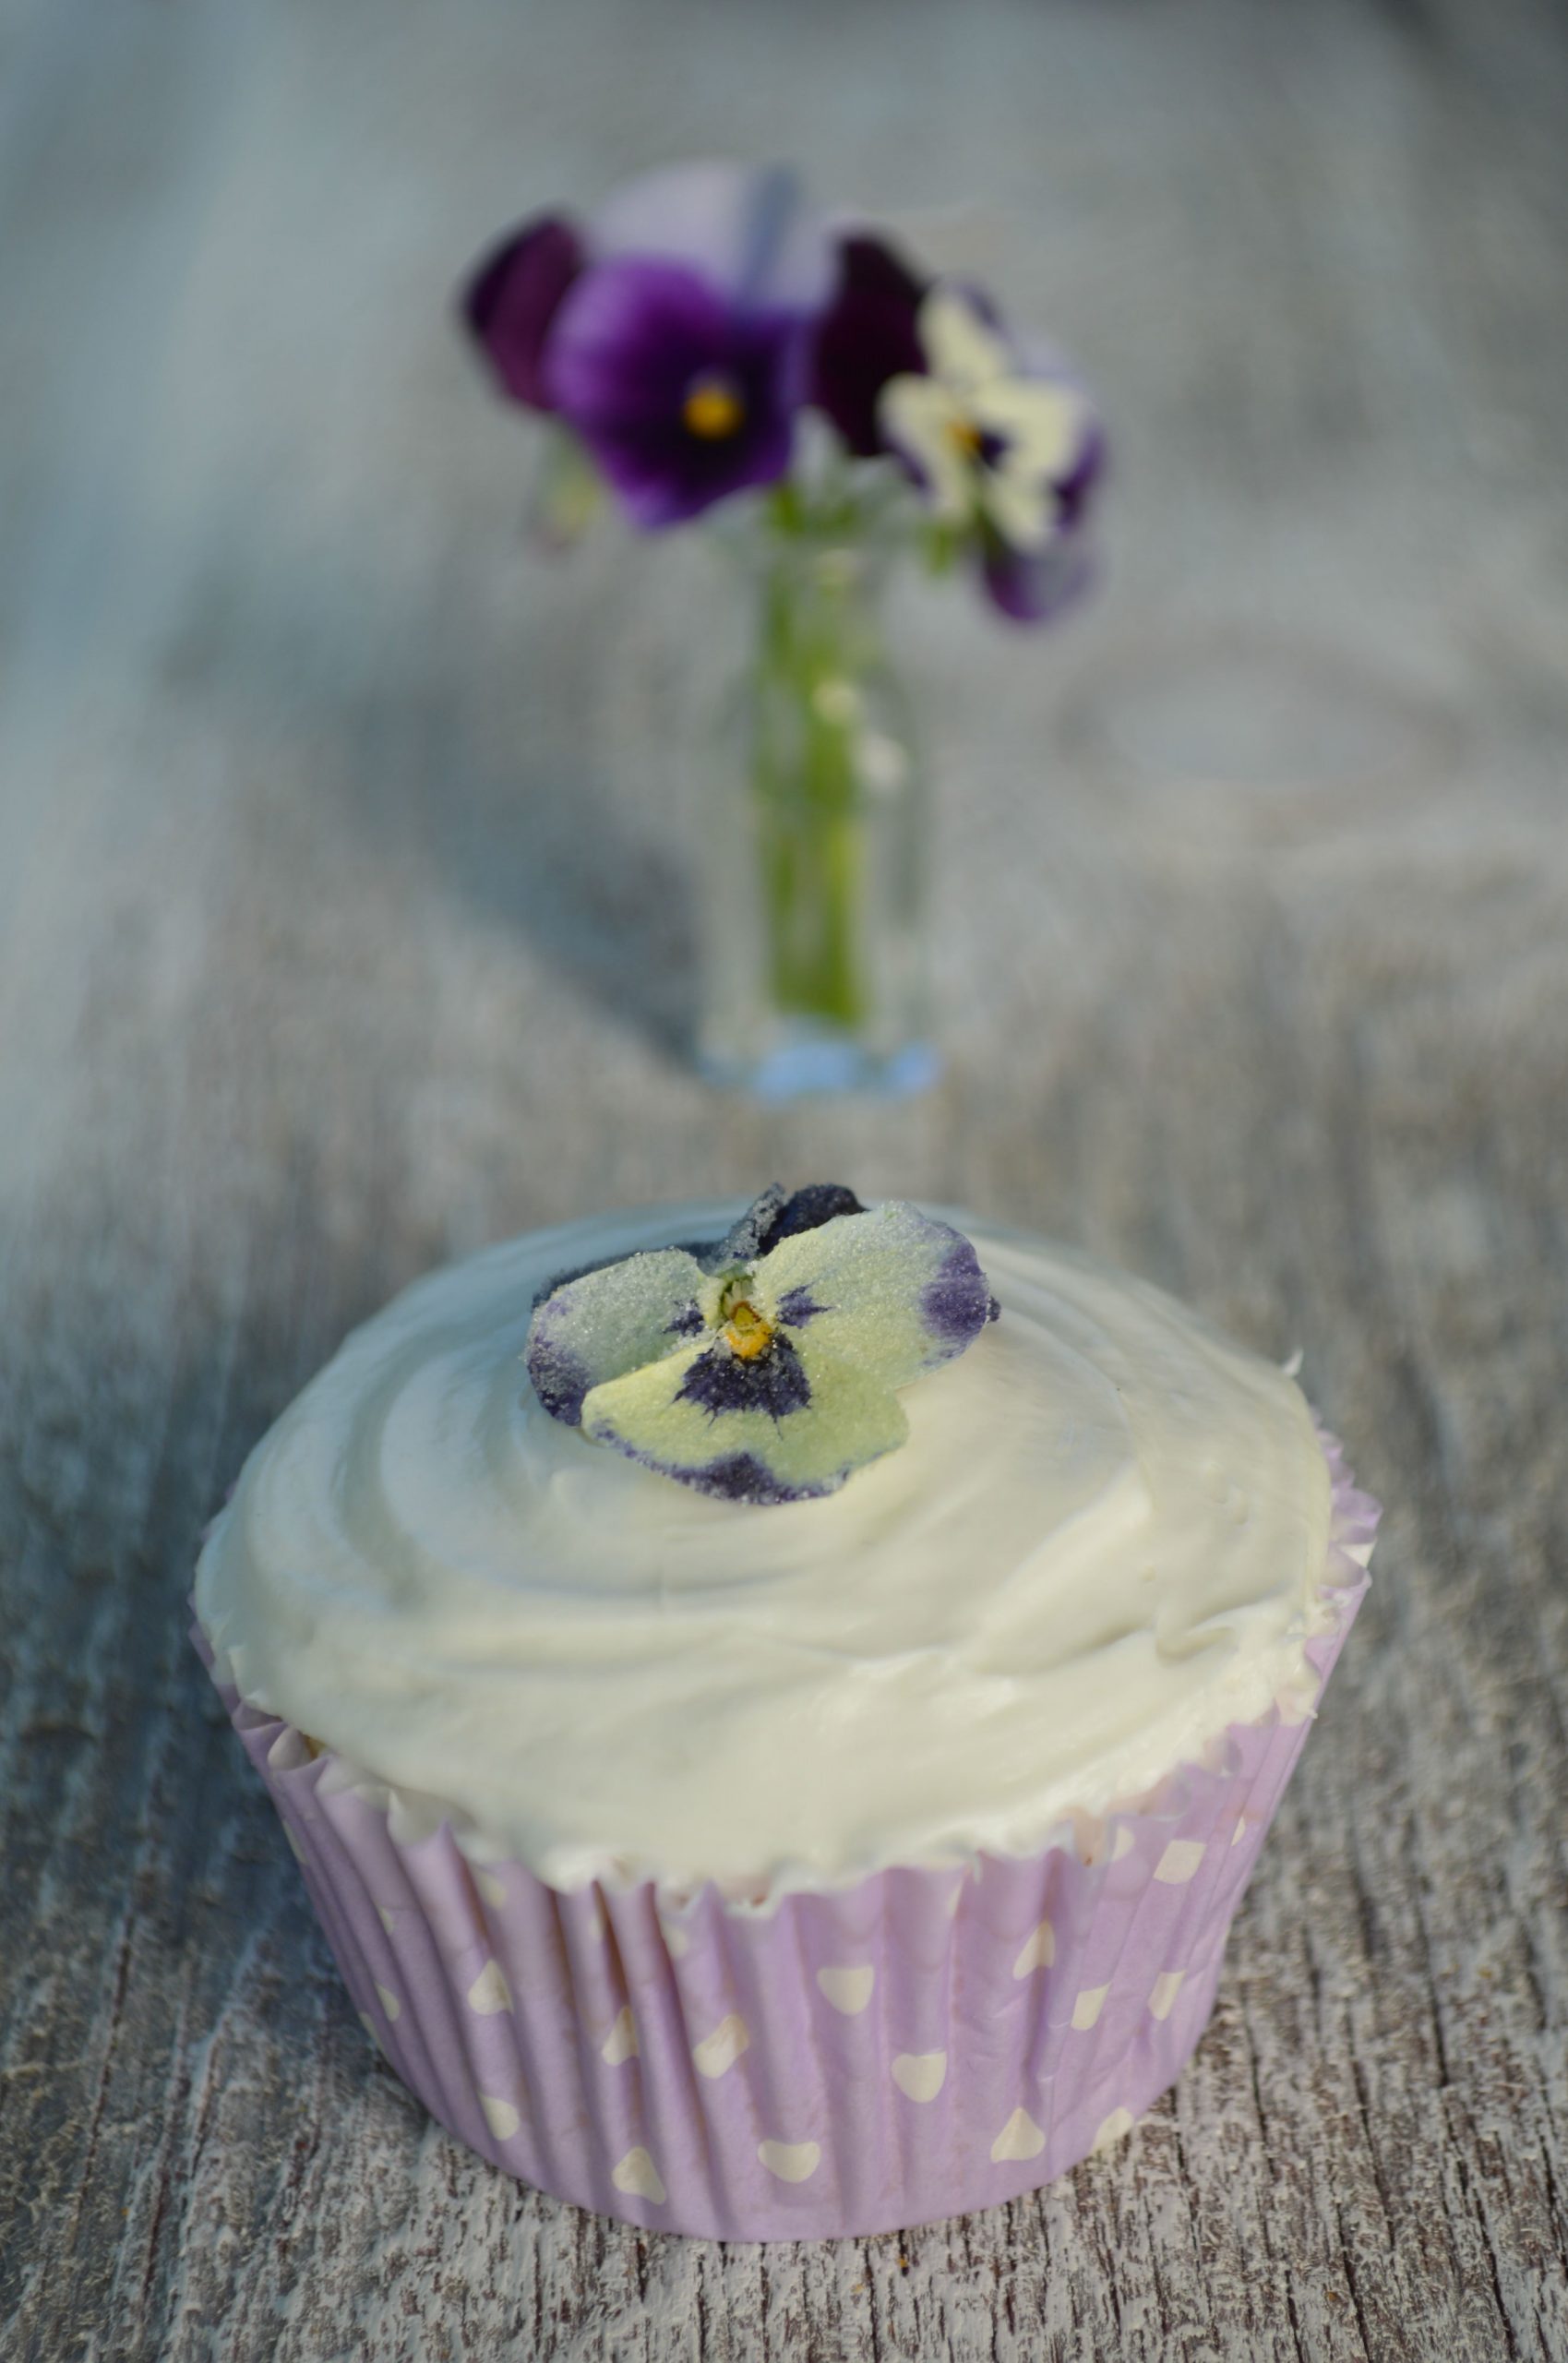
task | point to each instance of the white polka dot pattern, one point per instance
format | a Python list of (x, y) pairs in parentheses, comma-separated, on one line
[(1163, 1994), (1039, 1952), (1087, 2008), (848, 1990), (639, 2178), (500, 2115), (1020, 2138), (791, 2161), (718, 2051), (489, 1992), (1179, 1862), (389, 2001), (621, 2042), (920, 2075), (1116, 2127)]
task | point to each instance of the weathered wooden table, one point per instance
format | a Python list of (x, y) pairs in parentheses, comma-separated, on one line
[(346, 925)]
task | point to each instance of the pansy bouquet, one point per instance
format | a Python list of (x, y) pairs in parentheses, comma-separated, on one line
[(704, 342)]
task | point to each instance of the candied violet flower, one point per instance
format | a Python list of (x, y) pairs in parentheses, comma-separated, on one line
[(772, 1378)]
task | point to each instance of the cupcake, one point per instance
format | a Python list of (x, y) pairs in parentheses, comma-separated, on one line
[(777, 1708)]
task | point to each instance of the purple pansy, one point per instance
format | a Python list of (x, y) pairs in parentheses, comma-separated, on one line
[(763, 1369), (679, 333), (673, 336), (681, 395)]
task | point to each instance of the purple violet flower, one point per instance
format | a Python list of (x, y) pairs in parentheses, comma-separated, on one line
[(682, 394), (673, 336)]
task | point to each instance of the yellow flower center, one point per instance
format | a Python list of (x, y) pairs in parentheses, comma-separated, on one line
[(712, 408), (745, 1333), (966, 435)]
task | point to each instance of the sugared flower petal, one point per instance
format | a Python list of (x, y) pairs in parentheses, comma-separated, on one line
[(895, 1288), (829, 1422), (763, 1368), (613, 1320)]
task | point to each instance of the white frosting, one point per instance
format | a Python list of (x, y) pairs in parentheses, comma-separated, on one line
[(1105, 1540)]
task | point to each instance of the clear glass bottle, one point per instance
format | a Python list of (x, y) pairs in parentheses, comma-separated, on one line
[(815, 897)]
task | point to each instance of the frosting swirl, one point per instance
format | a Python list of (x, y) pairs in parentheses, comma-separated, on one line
[(1105, 1540)]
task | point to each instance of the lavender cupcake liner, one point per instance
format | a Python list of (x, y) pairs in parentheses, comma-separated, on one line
[(822, 2064)]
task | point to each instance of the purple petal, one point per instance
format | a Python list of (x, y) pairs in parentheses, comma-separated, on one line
[(741, 1477), (1035, 587), (1076, 489), (630, 340), (956, 1304), (512, 300), (775, 1381), (745, 229), (867, 336), (798, 1306), (809, 1210)]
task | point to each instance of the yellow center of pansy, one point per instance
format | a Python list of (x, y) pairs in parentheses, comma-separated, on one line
[(745, 1333), (714, 409), (965, 436)]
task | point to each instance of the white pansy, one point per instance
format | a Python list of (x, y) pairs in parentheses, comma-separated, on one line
[(992, 445)]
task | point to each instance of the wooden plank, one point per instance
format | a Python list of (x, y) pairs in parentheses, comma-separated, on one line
[(344, 853)]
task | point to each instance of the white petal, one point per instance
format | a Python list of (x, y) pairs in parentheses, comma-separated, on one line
[(918, 415), (958, 344), (1021, 508), (1041, 425)]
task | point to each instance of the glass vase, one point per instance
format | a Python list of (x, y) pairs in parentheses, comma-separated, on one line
[(814, 902)]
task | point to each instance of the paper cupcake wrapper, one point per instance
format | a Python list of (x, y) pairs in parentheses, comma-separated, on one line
[(927, 2042)]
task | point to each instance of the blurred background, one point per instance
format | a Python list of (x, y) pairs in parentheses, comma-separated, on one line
[(305, 754), (348, 857)]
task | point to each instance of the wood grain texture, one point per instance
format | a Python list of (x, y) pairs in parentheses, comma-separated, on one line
[(345, 926)]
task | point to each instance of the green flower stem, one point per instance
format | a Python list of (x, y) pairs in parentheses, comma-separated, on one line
[(817, 641)]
